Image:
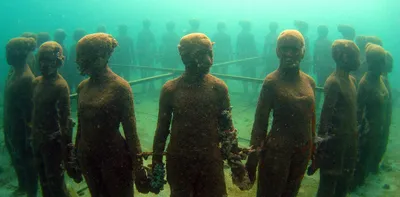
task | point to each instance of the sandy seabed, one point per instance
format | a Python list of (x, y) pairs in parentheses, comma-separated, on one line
[(243, 114)]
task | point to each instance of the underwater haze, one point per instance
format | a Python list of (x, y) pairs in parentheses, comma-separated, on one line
[(379, 18), (368, 17)]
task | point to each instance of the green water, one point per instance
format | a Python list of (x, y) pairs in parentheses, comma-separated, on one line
[(368, 17)]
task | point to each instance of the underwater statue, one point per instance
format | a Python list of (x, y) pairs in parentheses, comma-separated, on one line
[(362, 42), (169, 56), (323, 62), (146, 50), (196, 106), (284, 152), (59, 36), (101, 29), (336, 155), (108, 161), (388, 121), (124, 54), (29, 35), (168, 53), (347, 31), (72, 75), (42, 37), (306, 63), (374, 40), (51, 122), (31, 61), (246, 48), (269, 53), (373, 100), (222, 48), (17, 114), (194, 24)]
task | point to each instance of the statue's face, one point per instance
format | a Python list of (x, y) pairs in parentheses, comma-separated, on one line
[(204, 58), (85, 60), (50, 62), (290, 51)]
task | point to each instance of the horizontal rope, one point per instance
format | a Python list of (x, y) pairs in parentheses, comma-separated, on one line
[(134, 82), (172, 72)]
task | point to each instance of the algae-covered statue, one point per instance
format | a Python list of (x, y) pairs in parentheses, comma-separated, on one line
[(337, 152), (194, 24), (51, 122), (373, 101), (109, 162), (285, 151), (246, 48), (348, 32), (197, 107), (31, 57), (322, 57), (269, 54), (169, 56), (42, 37), (59, 36), (71, 74), (17, 114), (362, 42), (306, 63), (146, 50), (101, 29), (222, 47), (388, 122), (125, 53)]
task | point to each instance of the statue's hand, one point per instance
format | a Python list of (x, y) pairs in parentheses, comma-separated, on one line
[(72, 165), (142, 181), (241, 178), (157, 177)]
